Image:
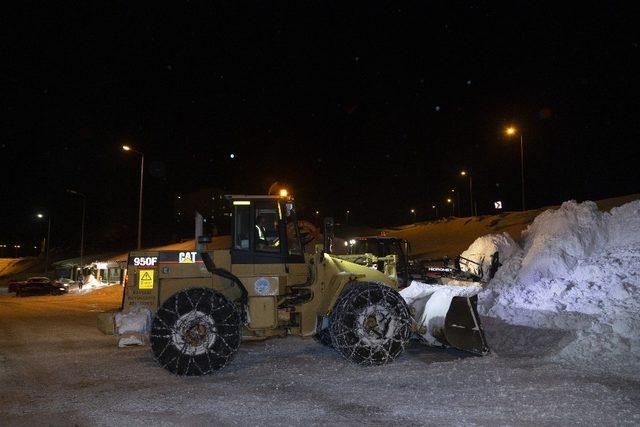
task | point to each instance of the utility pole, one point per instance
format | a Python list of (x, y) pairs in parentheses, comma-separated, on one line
[(47, 242), (522, 170), (128, 148), (511, 131), (84, 208)]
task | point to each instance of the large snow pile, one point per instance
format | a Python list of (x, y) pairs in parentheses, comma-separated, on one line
[(576, 272)]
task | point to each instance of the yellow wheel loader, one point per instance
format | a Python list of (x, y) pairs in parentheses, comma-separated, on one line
[(205, 302)]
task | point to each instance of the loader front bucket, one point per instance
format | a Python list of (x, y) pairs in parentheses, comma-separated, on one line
[(462, 328), (447, 315)]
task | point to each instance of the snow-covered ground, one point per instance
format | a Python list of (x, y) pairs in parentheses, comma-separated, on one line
[(57, 369)]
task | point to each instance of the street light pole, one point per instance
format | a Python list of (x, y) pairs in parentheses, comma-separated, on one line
[(84, 208), (140, 202), (457, 196), (47, 242), (128, 148), (471, 208), (522, 169), (46, 259), (511, 131)]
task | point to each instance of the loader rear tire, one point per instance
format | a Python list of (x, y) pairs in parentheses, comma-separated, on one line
[(370, 324), (195, 332)]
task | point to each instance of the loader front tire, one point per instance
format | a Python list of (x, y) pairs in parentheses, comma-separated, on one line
[(370, 324), (195, 332), (323, 337)]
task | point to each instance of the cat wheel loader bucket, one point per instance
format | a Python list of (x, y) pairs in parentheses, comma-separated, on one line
[(447, 315)]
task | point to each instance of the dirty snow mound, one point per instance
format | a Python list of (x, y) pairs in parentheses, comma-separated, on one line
[(133, 325), (578, 273), (90, 284), (135, 319)]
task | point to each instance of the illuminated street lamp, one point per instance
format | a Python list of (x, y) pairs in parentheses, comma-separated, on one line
[(413, 212), (128, 148), (347, 217), (471, 207), (512, 131), (47, 242), (435, 207)]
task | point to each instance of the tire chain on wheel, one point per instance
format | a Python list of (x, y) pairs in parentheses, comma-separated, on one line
[(323, 337), (351, 341), (219, 310)]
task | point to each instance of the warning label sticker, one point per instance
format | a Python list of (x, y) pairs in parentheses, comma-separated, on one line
[(145, 279)]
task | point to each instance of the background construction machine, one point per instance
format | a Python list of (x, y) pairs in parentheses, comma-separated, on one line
[(205, 302)]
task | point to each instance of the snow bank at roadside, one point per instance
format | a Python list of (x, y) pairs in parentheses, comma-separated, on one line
[(577, 271)]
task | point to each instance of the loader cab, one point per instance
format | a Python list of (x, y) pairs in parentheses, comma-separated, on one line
[(264, 230)]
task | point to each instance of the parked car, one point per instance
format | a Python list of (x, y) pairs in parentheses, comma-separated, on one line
[(71, 285), (40, 287), (13, 286)]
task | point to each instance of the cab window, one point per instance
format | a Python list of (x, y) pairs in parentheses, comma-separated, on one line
[(242, 224), (266, 227)]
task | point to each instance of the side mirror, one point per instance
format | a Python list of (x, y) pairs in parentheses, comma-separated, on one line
[(327, 234)]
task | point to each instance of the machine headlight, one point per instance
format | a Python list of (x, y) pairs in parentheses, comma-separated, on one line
[(352, 242), (62, 289)]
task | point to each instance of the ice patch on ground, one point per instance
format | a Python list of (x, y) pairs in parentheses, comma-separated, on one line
[(577, 272)]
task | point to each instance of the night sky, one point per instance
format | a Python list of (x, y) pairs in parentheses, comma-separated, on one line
[(372, 107)]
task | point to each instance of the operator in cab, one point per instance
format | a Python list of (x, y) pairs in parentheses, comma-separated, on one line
[(266, 239)]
